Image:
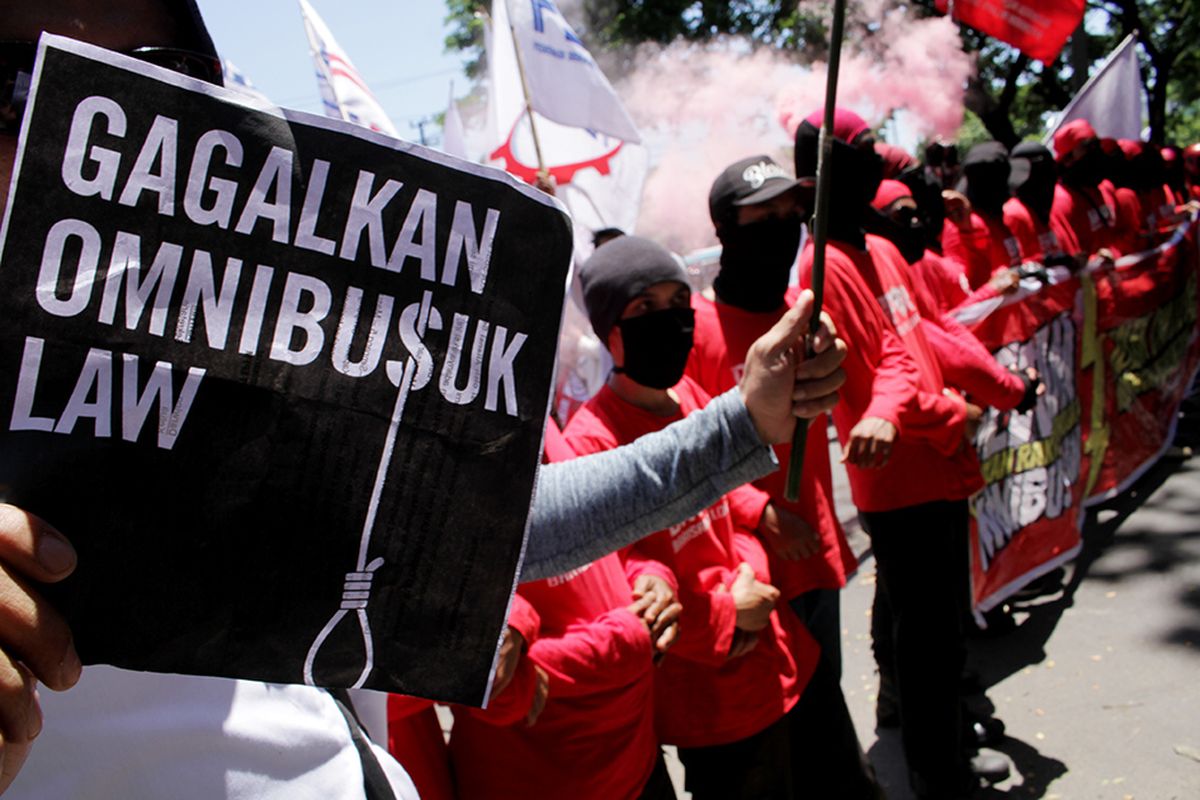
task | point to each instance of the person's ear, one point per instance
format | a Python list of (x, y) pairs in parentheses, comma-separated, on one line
[(616, 346)]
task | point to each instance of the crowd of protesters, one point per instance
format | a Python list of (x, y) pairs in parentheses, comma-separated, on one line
[(737, 608), (719, 633)]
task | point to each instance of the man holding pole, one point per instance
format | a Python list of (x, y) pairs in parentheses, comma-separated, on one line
[(910, 473)]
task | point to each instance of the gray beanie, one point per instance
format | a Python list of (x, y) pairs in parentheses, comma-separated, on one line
[(618, 272)]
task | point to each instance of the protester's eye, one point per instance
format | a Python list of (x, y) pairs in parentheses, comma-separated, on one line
[(637, 307)]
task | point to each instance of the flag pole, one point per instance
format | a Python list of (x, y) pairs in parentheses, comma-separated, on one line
[(537, 145), (820, 232)]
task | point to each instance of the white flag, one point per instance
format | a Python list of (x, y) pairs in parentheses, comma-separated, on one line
[(454, 135), (1113, 99), (599, 179), (343, 92), (565, 84)]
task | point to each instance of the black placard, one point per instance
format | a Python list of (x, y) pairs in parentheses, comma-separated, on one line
[(282, 381)]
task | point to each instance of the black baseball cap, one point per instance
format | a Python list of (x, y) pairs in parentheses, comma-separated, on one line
[(746, 182)]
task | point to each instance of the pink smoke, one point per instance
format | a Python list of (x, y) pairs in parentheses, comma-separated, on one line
[(913, 64), (701, 107)]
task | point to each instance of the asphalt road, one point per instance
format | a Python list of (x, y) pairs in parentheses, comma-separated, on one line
[(1099, 685)]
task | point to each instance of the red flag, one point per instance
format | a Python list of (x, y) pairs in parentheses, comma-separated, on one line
[(1038, 28)]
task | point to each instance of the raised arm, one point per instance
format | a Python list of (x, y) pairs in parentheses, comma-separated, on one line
[(597, 504)]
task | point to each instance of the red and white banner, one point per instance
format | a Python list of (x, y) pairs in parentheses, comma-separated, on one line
[(1038, 28), (1117, 349), (1138, 360), (1026, 520)]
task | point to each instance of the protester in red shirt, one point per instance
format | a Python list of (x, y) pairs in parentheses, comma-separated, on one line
[(901, 222), (518, 691), (602, 625), (910, 473), (1191, 171), (979, 238), (1080, 215), (723, 692), (756, 208), (1027, 212), (1160, 211), (1117, 188), (965, 362)]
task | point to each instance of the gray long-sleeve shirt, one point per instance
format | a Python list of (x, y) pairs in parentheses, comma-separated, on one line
[(594, 505)]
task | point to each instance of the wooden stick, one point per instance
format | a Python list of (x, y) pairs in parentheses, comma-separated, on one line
[(820, 233), (537, 145)]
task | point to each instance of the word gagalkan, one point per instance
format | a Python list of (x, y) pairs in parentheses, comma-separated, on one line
[(305, 301)]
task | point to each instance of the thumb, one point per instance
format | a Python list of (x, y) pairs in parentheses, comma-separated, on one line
[(745, 572), (791, 327)]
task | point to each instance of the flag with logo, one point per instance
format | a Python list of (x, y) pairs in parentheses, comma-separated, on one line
[(1038, 28), (565, 84), (579, 125), (344, 94)]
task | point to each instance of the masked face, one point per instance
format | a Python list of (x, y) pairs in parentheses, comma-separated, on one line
[(903, 227), (756, 262), (1086, 171), (858, 170), (987, 186), (1038, 191), (656, 346)]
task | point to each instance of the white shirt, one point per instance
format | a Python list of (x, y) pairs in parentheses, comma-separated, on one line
[(131, 735)]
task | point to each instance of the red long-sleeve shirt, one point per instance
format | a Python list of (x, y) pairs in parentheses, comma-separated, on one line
[(892, 373), (966, 364), (945, 280), (702, 697), (724, 334), (415, 735), (595, 738), (1034, 238), (1082, 220), (982, 245)]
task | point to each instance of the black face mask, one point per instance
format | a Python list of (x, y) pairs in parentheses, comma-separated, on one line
[(657, 346), (927, 193), (858, 174), (756, 262), (987, 187), (1087, 172), (905, 229)]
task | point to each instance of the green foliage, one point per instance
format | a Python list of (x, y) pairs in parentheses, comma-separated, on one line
[(1011, 96), (971, 133), (464, 18)]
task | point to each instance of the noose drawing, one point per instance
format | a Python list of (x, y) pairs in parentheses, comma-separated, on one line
[(356, 590)]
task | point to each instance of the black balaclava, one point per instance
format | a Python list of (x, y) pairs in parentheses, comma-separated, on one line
[(1088, 171), (193, 34), (907, 232), (856, 177), (985, 171), (1147, 169), (1033, 177), (756, 262), (656, 344), (1116, 166), (926, 188)]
